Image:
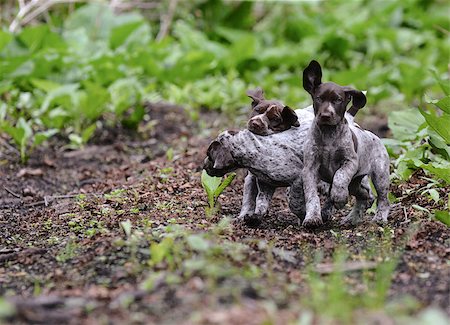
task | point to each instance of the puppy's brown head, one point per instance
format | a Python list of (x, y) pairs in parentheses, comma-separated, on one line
[(269, 116), (329, 99)]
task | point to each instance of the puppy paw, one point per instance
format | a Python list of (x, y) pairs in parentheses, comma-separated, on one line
[(352, 219), (339, 196), (381, 215), (379, 219), (312, 221)]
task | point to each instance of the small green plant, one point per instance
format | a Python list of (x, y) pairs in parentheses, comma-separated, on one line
[(332, 295), (214, 186), (68, 252), (444, 215), (24, 137)]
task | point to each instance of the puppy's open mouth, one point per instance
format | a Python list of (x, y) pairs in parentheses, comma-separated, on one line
[(208, 166)]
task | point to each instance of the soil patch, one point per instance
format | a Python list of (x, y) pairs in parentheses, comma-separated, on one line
[(65, 257)]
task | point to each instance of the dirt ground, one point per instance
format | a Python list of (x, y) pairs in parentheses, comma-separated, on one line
[(63, 257)]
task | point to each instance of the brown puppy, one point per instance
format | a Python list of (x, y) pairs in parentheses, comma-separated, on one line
[(269, 116)]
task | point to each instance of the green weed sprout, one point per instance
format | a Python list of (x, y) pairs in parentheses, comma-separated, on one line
[(214, 186)]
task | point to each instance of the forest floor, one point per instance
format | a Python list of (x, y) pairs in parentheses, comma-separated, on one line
[(69, 255)]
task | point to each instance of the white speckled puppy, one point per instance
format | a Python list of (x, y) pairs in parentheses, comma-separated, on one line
[(275, 161), (340, 153)]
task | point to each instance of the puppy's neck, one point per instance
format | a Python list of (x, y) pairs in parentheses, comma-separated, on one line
[(330, 131)]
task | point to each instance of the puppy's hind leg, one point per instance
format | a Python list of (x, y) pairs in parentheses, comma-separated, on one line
[(249, 196), (360, 188), (265, 193), (380, 179)]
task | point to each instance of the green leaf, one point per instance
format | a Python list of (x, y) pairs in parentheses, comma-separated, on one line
[(120, 34), (132, 121), (405, 123), (443, 173), (87, 132), (419, 208), (25, 126), (33, 36), (444, 84), (158, 251), (227, 181), (443, 216), (437, 141), (45, 85), (198, 243), (5, 38), (42, 136), (97, 19), (124, 94), (439, 123), (434, 195), (444, 104), (65, 95), (210, 184)]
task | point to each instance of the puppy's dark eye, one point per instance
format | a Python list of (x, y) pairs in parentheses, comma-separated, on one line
[(277, 120), (338, 100)]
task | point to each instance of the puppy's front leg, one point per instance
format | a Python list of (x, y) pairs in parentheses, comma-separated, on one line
[(310, 180), (341, 181), (249, 196), (296, 199)]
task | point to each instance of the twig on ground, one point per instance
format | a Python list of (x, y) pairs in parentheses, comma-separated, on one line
[(406, 217), (12, 193), (166, 20), (49, 198)]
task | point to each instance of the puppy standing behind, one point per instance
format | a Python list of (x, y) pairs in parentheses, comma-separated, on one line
[(269, 116), (341, 153)]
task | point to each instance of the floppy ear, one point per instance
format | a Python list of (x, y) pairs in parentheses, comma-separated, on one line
[(220, 156), (290, 116), (256, 94), (358, 98), (312, 77)]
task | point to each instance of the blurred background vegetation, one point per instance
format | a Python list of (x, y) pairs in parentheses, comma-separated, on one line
[(73, 64)]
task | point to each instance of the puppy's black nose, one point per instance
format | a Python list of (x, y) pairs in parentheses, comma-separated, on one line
[(325, 115), (254, 124)]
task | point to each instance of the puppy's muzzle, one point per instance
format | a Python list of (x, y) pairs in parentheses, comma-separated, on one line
[(208, 166), (257, 126)]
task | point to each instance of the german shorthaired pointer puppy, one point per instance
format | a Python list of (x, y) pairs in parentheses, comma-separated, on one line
[(341, 153), (275, 161), (262, 122)]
